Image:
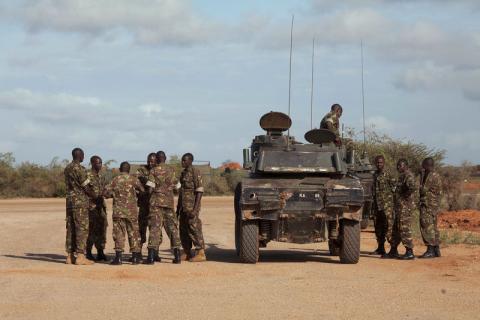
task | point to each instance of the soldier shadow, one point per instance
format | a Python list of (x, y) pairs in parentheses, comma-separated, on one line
[(46, 257), (217, 254)]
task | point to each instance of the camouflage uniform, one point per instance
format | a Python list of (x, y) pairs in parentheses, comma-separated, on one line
[(404, 209), (190, 223), (97, 230), (162, 179), (143, 204), (332, 123), (125, 211), (383, 188), (430, 196), (77, 202)]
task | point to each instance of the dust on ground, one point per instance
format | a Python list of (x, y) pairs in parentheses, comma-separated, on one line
[(291, 281)]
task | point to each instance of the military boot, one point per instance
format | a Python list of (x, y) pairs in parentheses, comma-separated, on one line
[(380, 249), (89, 255), (151, 256), (101, 255), (392, 254), (430, 253), (157, 257), (199, 256), (118, 259), (185, 256), (136, 258), (437, 251), (176, 256), (70, 258), (408, 255), (81, 260)]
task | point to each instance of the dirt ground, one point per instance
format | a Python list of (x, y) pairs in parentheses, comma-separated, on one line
[(291, 281), (465, 220)]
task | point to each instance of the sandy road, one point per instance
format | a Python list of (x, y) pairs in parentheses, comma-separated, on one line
[(292, 281)]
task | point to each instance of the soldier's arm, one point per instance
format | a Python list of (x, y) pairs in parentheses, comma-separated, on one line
[(139, 185), (198, 185), (108, 191), (410, 185), (82, 177), (436, 187)]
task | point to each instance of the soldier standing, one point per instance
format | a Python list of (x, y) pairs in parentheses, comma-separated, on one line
[(123, 189), (331, 121), (78, 191), (97, 230), (162, 181), (430, 196), (144, 198), (383, 187), (188, 209), (404, 207)]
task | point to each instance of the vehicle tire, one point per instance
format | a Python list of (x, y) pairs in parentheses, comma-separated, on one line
[(249, 249), (350, 246), (238, 217), (334, 247)]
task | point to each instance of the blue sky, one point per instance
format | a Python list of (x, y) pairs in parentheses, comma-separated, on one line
[(123, 78)]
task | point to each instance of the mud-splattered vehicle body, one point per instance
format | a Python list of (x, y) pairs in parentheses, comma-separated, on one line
[(299, 193)]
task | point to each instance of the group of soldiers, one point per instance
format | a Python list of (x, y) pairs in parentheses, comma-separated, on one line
[(394, 201), (141, 201)]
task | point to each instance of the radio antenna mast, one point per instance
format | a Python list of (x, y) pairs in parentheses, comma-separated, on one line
[(290, 79), (311, 89), (363, 100)]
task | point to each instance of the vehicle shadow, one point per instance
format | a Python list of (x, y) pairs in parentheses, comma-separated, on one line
[(46, 257), (217, 254)]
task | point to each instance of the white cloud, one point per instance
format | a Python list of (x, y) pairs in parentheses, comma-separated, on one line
[(150, 21)]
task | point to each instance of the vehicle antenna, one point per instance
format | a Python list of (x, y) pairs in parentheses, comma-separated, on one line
[(290, 79), (363, 101), (311, 89)]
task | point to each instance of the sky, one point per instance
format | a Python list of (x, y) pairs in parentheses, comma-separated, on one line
[(123, 78)]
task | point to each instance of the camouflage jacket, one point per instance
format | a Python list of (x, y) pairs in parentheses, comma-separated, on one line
[(142, 174), (163, 180), (76, 182), (123, 191), (405, 189), (383, 189), (191, 182), (331, 122), (97, 182), (430, 189)]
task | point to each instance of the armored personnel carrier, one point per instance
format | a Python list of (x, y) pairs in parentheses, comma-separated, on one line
[(298, 193)]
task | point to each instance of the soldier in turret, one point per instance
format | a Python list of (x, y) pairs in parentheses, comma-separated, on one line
[(430, 196), (331, 121)]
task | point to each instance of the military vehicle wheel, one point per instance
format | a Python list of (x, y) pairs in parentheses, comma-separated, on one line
[(364, 224), (238, 217), (334, 247), (249, 249), (350, 247)]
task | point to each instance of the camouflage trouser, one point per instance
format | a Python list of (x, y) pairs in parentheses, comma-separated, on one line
[(162, 217), (77, 229), (191, 231), (428, 225), (383, 222), (402, 229), (143, 222), (129, 226), (97, 230)]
